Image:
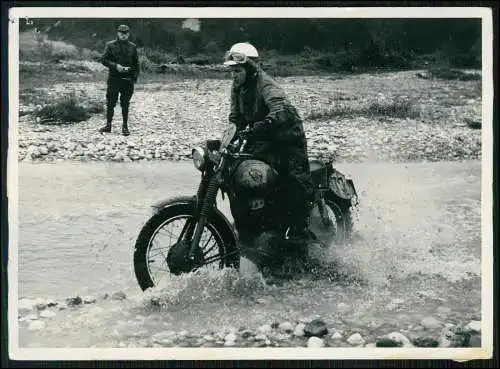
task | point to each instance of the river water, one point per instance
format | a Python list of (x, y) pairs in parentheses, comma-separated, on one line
[(418, 239)]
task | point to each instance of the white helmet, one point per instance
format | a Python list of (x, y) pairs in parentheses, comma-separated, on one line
[(239, 53)]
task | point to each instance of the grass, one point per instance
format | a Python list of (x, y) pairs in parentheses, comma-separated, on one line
[(394, 108)]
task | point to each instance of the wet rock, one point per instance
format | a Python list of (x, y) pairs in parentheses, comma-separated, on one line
[(474, 326), (74, 301), (387, 342), (118, 296), (336, 336), (315, 328), (356, 339), (400, 339), (475, 340), (89, 300), (431, 323), (40, 304), (315, 342), (230, 339), (285, 327), (299, 330), (246, 334), (36, 325), (425, 342), (47, 314)]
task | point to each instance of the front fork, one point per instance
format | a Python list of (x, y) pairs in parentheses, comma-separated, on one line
[(207, 195)]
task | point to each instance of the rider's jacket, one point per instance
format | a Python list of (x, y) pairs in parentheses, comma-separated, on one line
[(261, 99)]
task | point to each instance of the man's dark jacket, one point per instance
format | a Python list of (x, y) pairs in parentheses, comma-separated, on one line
[(123, 53)]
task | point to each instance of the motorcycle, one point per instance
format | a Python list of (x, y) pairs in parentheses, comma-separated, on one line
[(260, 226)]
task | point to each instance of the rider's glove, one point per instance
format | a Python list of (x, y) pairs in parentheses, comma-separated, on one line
[(258, 129)]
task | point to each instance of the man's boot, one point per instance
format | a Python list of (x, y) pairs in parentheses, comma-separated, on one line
[(125, 130), (109, 119)]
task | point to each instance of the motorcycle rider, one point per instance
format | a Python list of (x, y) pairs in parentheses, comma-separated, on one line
[(120, 56), (275, 131)]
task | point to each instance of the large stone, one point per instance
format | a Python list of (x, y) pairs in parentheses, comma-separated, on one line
[(316, 328)]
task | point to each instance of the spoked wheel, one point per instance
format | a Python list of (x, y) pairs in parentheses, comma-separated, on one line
[(339, 227), (159, 250)]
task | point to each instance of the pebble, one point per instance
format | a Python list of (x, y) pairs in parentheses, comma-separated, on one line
[(337, 336), (263, 329), (356, 339), (230, 339), (41, 304), (74, 301), (315, 342), (431, 323), (286, 327), (89, 300), (299, 330), (36, 325)]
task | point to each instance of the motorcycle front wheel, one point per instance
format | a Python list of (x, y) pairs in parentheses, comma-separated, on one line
[(158, 244)]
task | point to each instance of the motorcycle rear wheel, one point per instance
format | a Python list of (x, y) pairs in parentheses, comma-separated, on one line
[(217, 227), (340, 213)]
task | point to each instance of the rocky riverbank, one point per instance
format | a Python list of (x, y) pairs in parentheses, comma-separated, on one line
[(37, 315), (389, 117)]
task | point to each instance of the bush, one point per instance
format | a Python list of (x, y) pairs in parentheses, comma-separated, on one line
[(68, 110)]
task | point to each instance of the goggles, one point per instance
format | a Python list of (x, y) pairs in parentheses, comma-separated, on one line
[(232, 58)]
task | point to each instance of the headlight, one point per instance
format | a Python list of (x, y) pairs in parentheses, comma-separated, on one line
[(199, 158)]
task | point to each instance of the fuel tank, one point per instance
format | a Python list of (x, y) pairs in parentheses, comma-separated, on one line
[(255, 185)]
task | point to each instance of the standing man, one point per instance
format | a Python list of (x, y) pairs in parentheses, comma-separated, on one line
[(120, 57)]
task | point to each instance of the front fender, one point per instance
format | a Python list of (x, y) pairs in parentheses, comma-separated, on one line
[(162, 204), (157, 206)]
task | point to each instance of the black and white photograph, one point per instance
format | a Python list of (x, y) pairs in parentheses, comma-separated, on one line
[(250, 183)]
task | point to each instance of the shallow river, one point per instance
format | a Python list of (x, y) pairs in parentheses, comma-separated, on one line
[(417, 247)]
